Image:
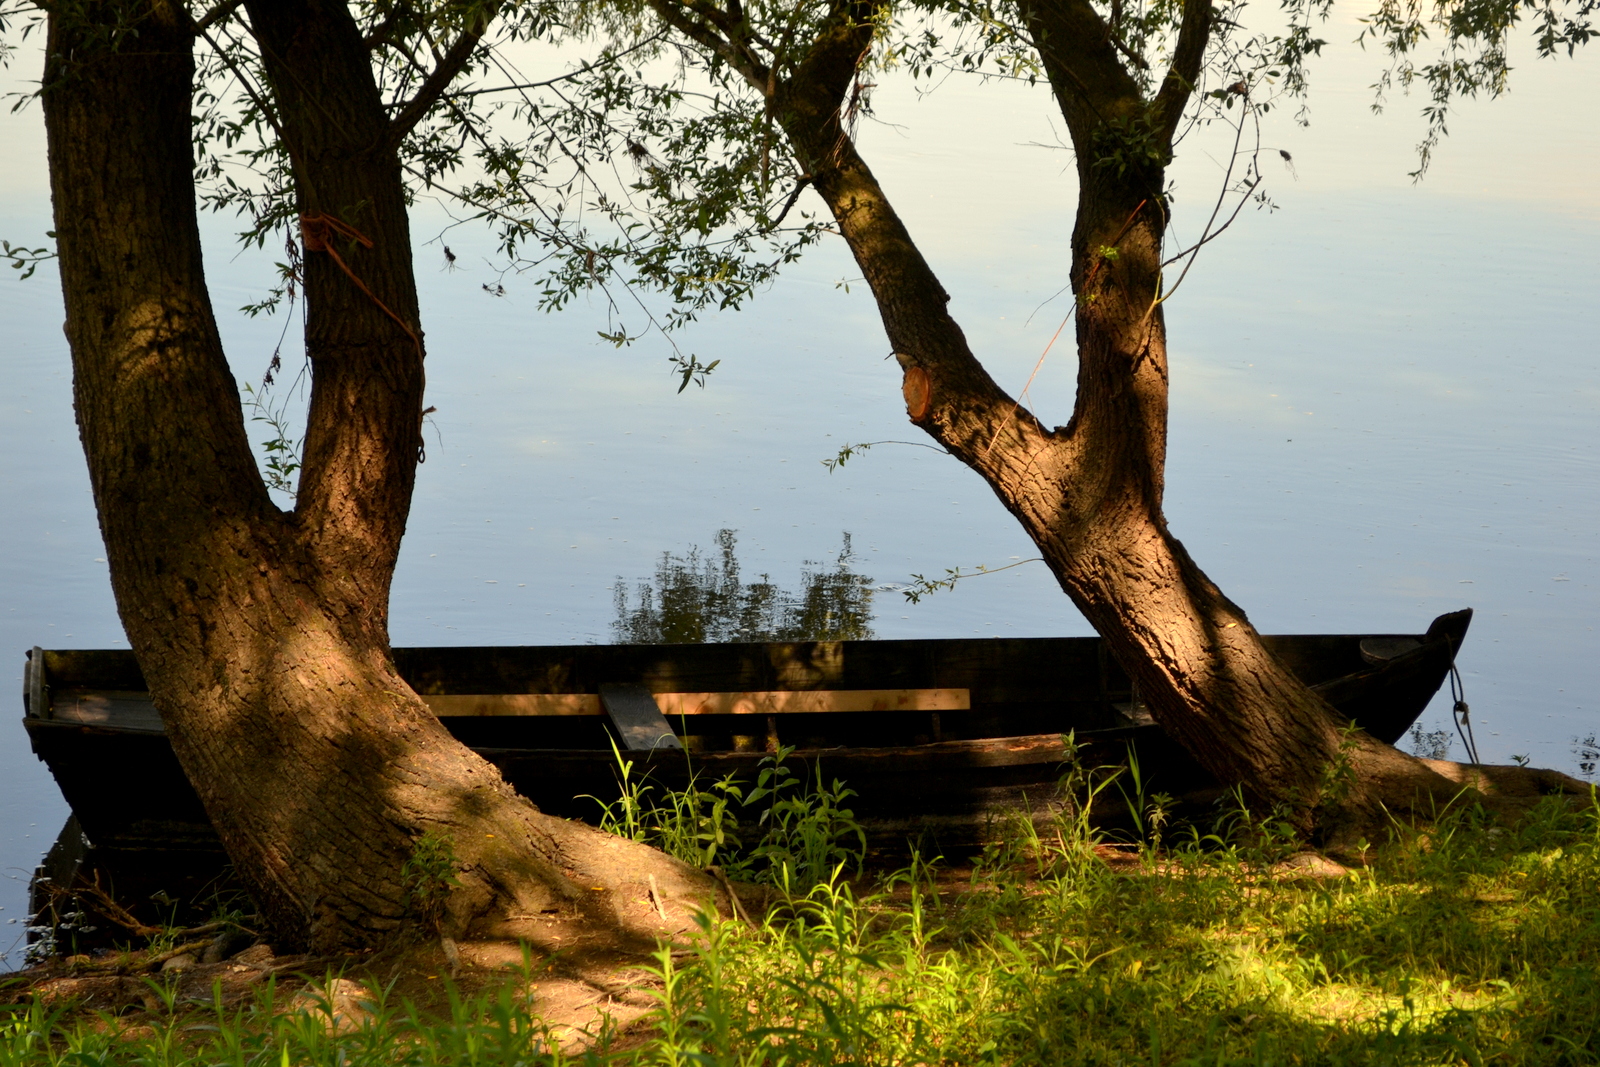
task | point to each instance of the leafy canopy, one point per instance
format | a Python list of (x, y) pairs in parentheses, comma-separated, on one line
[(610, 147)]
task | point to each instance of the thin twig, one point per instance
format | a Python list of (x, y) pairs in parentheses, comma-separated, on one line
[(450, 64), (1017, 403), (216, 15), (605, 61), (1208, 234), (655, 898), (739, 913), (799, 187)]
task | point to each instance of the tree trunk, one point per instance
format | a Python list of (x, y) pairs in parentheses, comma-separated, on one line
[(1090, 493), (263, 635)]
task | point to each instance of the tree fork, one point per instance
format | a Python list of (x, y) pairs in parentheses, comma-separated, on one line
[(1090, 493), (363, 334), (263, 635)]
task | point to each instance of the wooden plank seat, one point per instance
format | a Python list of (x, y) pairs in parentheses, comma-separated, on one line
[(639, 719), (770, 702)]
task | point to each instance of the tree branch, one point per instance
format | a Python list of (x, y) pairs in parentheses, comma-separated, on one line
[(815, 92), (605, 60), (453, 62), (1194, 33), (742, 60), (948, 392), (1091, 84), (364, 422), (216, 15), (735, 26)]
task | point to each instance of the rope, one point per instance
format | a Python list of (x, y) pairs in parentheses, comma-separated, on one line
[(317, 234), (1459, 711)]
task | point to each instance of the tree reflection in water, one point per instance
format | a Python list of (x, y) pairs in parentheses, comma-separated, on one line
[(1586, 753), (698, 598)]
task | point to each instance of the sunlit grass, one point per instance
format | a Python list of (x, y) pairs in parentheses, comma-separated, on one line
[(1471, 943)]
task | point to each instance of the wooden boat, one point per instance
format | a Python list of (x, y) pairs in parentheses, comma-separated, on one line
[(935, 737)]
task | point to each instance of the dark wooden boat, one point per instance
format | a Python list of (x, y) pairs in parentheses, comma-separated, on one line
[(935, 737)]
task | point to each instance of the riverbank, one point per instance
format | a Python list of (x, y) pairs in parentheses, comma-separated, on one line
[(1473, 942)]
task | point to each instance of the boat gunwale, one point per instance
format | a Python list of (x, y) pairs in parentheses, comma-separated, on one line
[(38, 683)]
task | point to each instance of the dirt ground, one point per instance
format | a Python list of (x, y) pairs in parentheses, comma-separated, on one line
[(579, 990)]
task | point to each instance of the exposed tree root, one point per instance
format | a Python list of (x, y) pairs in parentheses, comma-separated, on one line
[(1500, 782), (609, 891), (1397, 787)]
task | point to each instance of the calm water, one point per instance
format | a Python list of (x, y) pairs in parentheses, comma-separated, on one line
[(1385, 401)]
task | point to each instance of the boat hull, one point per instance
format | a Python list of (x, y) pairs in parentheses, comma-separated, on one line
[(943, 780)]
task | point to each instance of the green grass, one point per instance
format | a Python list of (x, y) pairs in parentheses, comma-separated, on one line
[(1472, 943), (786, 829)]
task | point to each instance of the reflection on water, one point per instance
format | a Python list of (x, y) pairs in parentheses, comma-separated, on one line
[(1430, 744), (1435, 744), (698, 599), (1586, 753)]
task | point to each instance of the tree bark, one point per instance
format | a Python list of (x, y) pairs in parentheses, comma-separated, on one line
[(1089, 494), (263, 635)]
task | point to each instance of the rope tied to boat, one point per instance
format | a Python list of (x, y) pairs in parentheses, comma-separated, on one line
[(1460, 713)]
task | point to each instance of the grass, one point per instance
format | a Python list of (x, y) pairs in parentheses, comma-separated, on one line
[(786, 829), (1473, 942)]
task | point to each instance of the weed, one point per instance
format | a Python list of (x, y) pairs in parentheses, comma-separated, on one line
[(1259, 840), (807, 832), (694, 824), (625, 816), (810, 834), (427, 877), (1469, 942), (1149, 812), (1338, 776)]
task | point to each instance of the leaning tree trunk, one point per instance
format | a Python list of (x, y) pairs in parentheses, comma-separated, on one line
[(1090, 493), (263, 635)]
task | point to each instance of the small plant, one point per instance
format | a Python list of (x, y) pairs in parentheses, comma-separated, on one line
[(1338, 778), (1074, 829), (809, 831), (1125, 145), (280, 452), (1157, 810), (1060, 845), (428, 876), (1256, 840), (922, 884), (696, 825), (624, 816), (1145, 835)]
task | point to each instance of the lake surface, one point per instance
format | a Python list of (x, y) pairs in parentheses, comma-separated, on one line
[(1385, 406)]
